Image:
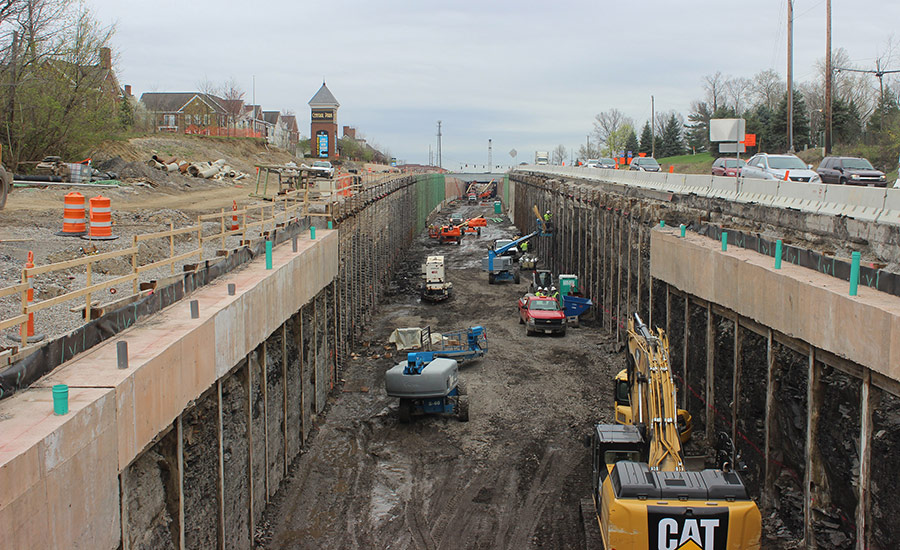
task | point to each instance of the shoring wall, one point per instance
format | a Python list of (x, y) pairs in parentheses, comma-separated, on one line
[(204, 477), (805, 422)]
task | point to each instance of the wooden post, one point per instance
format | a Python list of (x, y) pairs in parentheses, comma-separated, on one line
[(172, 246), (710, 375), (769, 480), (813, 401), (220, 482), (87, 299), (222, 224), (134, 264), (736, 381), (867, 406), (180, 461), (684, 359)]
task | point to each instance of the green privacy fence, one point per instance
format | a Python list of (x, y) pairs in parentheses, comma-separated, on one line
[(429, 194)]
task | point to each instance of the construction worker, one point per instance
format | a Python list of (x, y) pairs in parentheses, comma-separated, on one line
[(554, 293), (539, 293), (548, 221), (524, 247)]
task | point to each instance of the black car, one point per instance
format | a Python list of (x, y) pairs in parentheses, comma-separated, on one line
[(850, 170), (644, 164)]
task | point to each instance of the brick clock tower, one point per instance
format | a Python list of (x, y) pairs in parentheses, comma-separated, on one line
[(323, 126)]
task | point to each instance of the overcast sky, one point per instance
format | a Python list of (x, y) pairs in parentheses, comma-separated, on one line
[(528, 75)]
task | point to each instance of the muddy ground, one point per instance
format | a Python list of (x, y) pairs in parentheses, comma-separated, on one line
[(512, 477)]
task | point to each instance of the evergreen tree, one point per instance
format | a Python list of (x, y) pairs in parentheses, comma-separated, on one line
[(885, 117), (646, 139), (778, 125), (698, 127), (845, 121), (631, 143), (671, 143), (758, 121)]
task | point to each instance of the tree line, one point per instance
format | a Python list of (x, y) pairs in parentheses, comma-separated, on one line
[(865, 121), (55, 96)]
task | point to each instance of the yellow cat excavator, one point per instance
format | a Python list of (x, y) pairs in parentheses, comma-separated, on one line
[(644, 496)]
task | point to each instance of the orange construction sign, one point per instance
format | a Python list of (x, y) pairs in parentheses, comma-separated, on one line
[(749, 140)]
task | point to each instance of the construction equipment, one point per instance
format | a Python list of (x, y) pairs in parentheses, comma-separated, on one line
[(436, 287), (643, 495), (461, 345), (574, 303), (427, 384), (541, 314), (500, 267), (474, 225)]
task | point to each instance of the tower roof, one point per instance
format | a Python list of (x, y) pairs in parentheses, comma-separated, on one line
[(324, 98)]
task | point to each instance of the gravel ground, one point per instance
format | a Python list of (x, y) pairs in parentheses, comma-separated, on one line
[(512, 477)]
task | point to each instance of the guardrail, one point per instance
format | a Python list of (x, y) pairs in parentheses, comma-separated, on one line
[(872, 204)]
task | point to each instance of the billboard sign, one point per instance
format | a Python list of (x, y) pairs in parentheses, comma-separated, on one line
[(322, 143), (727, 129)]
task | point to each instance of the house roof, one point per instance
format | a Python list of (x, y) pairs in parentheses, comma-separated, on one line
[(290, 121), (271, 116), (172, 102), (324, 98)]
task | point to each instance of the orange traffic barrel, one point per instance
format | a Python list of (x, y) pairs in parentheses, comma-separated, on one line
[(101, 220), (234, 221), (73, 216)]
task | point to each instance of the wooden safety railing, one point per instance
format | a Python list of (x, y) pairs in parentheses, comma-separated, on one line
[(254, 222)]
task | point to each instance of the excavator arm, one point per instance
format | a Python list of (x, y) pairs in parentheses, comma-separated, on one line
[(653, 395)]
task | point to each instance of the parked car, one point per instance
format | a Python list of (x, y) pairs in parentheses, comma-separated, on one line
[(606, 162), (323, 168), (592, 163), (644, 164), (850, 170), (773, 167), (727, 167)]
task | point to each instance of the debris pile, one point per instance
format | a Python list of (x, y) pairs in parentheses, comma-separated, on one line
[(217, 170)]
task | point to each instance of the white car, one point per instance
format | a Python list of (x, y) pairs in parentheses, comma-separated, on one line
[(774, 167), (323, 168)]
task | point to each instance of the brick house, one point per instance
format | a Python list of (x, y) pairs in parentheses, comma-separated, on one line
[(181, 112)]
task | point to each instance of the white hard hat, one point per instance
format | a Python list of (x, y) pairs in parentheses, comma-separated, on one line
[(552, 288)]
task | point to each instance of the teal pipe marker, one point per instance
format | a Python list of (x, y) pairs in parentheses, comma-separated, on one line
[(854, 273), (778, 254), (330, 226), (61, 399), (662, 223), (268, 254), (724, 240), (683, 229), (312, 232)]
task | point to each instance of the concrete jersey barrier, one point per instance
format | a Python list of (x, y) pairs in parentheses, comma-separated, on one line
[(863, 203)]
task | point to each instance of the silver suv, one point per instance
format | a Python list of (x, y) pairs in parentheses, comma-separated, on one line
[(773, 167)]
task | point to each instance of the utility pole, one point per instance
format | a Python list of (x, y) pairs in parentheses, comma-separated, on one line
[(790, 76), (829, 75), (439, 145), (588, 149), (490, 158), (652, 127), (430, 156)]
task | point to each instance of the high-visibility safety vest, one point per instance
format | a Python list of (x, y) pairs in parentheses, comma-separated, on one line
[(547, 217)]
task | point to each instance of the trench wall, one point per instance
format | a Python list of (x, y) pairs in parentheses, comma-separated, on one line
[(810, 406), (187, 446)]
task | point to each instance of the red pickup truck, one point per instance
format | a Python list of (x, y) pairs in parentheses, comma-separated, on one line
[(540, 314)]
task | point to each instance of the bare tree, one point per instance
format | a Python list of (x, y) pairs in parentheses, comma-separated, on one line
[(737, 90), (559, 154), (234, 100), (606, 128), (714, 86), (207, 86), (767, 88)]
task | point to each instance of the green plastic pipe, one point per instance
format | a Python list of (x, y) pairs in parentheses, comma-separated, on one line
[(330, 226), (662, 223), (854, 273), (778, 254), (683, 229), (60, 399), (312, 232), (268, 254), (724, 240)]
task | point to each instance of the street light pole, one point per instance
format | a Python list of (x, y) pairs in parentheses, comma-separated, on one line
[(829, 75)]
